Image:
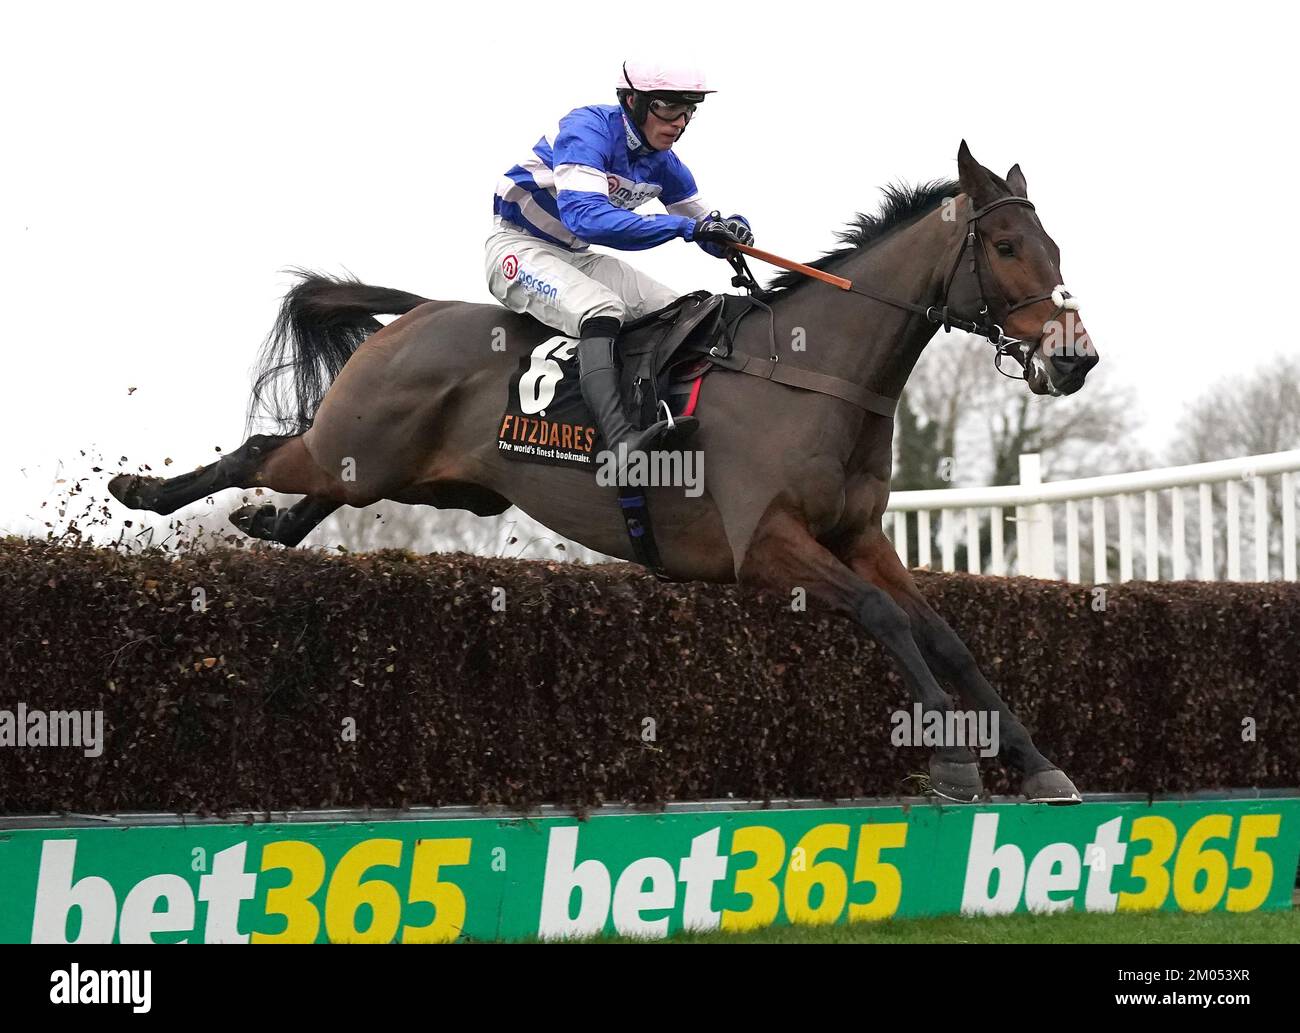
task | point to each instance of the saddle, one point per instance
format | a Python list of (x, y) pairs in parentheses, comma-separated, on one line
[(665, 354), (670, 350)]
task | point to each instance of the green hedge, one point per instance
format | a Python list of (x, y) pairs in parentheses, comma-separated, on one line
[(245, 704)]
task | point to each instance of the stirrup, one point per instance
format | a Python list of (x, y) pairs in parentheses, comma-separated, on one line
[(665, 435)]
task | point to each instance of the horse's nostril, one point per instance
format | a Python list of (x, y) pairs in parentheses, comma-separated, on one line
[(1074, 363)]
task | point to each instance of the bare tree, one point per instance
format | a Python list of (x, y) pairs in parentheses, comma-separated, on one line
[(978, 423), (1253, 414), (1250, 415)]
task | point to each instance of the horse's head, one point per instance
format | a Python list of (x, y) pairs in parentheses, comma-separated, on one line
[(1015, 281)]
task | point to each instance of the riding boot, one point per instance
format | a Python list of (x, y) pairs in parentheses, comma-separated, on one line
[(598, 378)]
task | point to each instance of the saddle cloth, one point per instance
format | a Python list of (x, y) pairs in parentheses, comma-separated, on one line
[(663, 359)]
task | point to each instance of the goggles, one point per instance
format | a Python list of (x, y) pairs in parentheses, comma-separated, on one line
[(671, 111)]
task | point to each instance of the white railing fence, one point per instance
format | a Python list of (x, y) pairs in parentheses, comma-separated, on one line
[(978, 533)]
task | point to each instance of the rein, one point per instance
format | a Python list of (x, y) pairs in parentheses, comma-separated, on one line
[(940, 314)]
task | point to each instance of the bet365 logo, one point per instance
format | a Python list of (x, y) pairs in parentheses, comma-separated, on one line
[(1220, 860)]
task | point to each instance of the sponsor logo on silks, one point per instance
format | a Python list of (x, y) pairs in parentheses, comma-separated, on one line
[(629, 134), (536, 285), (509, 266), (625, 193)]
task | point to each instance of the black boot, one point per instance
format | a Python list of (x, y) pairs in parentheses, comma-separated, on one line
[(598, 379)]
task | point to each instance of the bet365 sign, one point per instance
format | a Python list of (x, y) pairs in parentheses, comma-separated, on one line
[(420, 881)]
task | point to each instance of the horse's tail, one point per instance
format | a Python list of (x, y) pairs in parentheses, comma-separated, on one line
[(322, 321)]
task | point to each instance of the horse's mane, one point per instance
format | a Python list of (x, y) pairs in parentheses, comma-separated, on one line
[(902, 203)]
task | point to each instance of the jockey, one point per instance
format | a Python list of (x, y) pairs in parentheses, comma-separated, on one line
[(578, 187)]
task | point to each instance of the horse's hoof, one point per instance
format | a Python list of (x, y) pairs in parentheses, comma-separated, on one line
[(1050, 786), (256, 521), (960, 783), (130, 490)]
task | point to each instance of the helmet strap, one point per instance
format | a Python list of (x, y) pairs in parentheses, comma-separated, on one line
[(639, 115)]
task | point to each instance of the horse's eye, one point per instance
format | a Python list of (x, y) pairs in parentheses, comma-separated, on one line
[(1005, 249)]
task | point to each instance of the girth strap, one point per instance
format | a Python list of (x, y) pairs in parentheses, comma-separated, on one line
[(640, 531), (821, 383)]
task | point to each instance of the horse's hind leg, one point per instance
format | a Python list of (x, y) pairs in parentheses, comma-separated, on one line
[(285, 526), (280, 462)]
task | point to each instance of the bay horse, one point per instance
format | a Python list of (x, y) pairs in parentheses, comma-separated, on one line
[(798, 479)]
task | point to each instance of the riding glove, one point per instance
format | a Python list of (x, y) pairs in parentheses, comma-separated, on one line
[(714, 233)]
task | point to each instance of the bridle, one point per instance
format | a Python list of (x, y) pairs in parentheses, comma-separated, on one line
[(973, 242), (1020, 350)]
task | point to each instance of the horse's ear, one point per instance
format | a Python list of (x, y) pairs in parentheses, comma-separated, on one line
[(1016, 181), (976, 181)]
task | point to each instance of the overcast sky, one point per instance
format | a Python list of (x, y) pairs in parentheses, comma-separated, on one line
[(163, 163)]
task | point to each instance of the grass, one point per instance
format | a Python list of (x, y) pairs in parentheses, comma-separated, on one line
[(1071, 927)]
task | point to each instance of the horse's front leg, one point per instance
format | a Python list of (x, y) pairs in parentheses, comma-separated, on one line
[(875, 560), (783, 555)]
